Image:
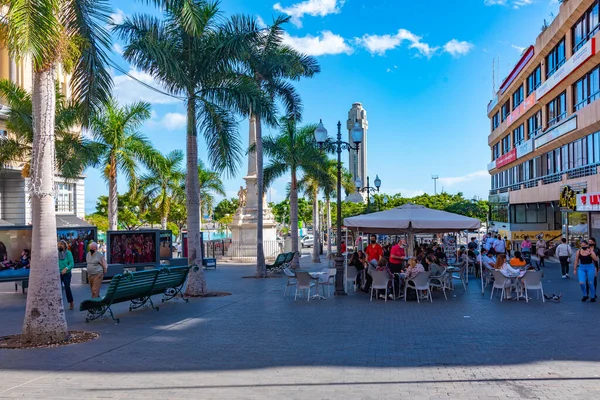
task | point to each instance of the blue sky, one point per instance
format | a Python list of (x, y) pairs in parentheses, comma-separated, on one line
[(422, 70)]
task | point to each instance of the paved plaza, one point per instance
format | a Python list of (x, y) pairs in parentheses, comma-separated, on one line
[(255, 344)]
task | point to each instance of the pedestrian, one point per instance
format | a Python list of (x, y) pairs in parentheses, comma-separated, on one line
[(541, 250), (508, 246), (499, 246), (585, 270), (563, 252), (65, 265), (96, 268), (342, 246), (374, 251), (596, 250), (526, 249), (397, 256)]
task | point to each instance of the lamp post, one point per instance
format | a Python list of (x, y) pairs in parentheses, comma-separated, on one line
[(339, 145), (368, 189)]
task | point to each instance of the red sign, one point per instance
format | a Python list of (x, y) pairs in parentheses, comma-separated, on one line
[(522, 108), (528, 55), (506, 158)]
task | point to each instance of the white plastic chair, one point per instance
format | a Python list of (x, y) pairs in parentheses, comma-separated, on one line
[(351, 274), (304, 282), (380, 281), (461, 275), (532, 280), (291, 280), (419, 282), (327, 280), (440, 282), (501, 282)]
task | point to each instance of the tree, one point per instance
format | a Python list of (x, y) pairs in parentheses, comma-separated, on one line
[(122, 148), (209, 182), (226, 206), (131, 212), (294, 150), (271, 64), (73, 152), (49, 33), (330, 190), (99, 221), (163, 183), (193, 54)]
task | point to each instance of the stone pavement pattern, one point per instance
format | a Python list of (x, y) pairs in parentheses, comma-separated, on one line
[(255, 345)]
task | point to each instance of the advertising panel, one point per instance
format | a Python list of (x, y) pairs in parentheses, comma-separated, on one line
[(521, 109), (492, 165), (588, 202), (548, 235), (525, 148), (133, 247), (556, 132), (506, 158)]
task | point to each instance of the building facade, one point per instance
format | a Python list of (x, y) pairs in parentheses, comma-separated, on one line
[(15, 205), (545, 133)]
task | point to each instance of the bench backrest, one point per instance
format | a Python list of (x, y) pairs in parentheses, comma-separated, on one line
[(130, 286), (170, 278), (289, 257), (280, 258)]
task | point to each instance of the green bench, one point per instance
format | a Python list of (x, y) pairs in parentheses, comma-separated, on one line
[(282, 261), (138, 288)]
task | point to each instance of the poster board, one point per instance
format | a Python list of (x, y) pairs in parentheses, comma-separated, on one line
[(133, 248), (166, 245), (450, 248), (14, 239), (78, 240)]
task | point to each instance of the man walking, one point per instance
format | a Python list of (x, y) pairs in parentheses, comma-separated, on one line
[(563, 252)]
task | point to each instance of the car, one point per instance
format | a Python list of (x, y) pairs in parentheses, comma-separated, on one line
[(307, 241)]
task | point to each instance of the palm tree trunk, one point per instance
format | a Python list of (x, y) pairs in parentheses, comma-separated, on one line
[(113, 200), (261, 268), (196, 284), (294, 217), (328, 205), (317, 239), (44, 314), (163, 223)]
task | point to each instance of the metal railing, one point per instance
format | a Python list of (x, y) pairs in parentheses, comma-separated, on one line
[(552, 178), (241, 251), (583, 171)]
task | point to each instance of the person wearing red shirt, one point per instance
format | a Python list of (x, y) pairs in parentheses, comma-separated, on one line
[(374, 251), (343, 246), (397, 255)]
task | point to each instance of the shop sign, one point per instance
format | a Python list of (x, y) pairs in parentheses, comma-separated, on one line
[(499, 198), (556, 132), (506, 158), (525, 148), (521, 109), (548, 235), (588, 50), (588, 202), (492, 165), (568, 198)]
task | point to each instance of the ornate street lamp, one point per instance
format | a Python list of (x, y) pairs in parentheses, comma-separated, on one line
[(368, 189), (339, 145)]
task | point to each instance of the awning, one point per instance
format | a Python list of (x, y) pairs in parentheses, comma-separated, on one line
[(71, 221)]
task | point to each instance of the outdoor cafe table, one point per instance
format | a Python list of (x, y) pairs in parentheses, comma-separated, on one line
[(315, 277)]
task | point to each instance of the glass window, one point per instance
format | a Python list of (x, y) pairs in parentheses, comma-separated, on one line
[(496, 121), (557, 109), (585, 27), (534, 124), (586, 89), (65, 197), (506, 144), (550, 162), (564, 152), (495, 151), (505, 110), (520, 214), (519, 135), (534, 80), (517, 97), (556, 58)]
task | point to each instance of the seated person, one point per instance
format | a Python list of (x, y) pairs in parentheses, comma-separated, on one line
[(434, 268), (25, 258), (518, 260), (440, 256), (504, 267), (413, 269), (382, 266), (488, 261)]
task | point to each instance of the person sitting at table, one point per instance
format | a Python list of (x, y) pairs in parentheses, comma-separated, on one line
[(518, 260), (413, 269), (504, 267), (25, 259), (434, 268), (382, 265), (358, 262), (487, 260), (440, 256)]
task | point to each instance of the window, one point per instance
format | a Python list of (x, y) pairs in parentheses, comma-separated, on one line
[(517, 97), (586, 27), (496, 121), (519, 135), (499, 212), (586, 89), (556, 58), (534, 80), (557, 109), (3, 134), (506, 144), (505, 110), (495, 151), (65, 197), (534, 124), (535, 213)]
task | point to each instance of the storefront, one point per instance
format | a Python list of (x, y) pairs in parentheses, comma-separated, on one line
[(575, 219), (589, 204)]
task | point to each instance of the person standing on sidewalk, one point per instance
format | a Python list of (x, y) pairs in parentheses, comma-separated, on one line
[(596, 250), (585, 269), (96, 268), (540, 247), (65, 265), (563, 252), (374, 251)]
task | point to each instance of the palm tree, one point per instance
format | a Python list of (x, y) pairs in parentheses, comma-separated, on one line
[(192, 53), (271, 64), (209, 182), (49, 33), (73, 152), (122, 148), (164, 183), (294, 150)]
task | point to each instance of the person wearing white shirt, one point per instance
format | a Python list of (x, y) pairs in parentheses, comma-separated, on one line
[(487, 261), (505, 269), (563, 252), (489, 243), (499, 246)]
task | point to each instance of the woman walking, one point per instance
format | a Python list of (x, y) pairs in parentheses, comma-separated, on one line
[(65, 265), (585, 270), (541, 251), (96, 268)]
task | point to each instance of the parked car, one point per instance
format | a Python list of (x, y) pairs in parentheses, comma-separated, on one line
[(307, 241)]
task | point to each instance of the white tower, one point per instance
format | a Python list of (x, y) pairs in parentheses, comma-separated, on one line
[(358, 162)]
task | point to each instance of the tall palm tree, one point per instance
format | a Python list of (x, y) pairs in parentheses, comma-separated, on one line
[(209, 183), (122, 148), (49, 33), (163, 184), (193, 54), (271, 65), (294, 150), (312, 183), (73, 152)]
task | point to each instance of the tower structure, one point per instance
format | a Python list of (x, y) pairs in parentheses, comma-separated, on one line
[(358, 161)]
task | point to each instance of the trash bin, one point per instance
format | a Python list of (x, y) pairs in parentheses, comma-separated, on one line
[(84, 276)]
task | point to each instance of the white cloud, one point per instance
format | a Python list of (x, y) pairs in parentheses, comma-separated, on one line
[(174, 121), (118, 17), (261, 22), (457, 49), (494, 2), (407, 192), (512, 3), (127, 90), (117, 48), (326, 43), (451, 181), (518, 48), (315, 8), (388, 70), (379, 44)]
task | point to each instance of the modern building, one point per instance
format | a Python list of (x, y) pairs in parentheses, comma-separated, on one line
[(15, 205), (358, 162)]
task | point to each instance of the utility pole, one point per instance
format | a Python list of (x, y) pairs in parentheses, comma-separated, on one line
[(435, 178)]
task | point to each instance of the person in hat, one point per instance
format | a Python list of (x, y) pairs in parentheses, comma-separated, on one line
[(65, 266)]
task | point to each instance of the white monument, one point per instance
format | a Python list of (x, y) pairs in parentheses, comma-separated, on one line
[(243, 227), (358, 162)]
